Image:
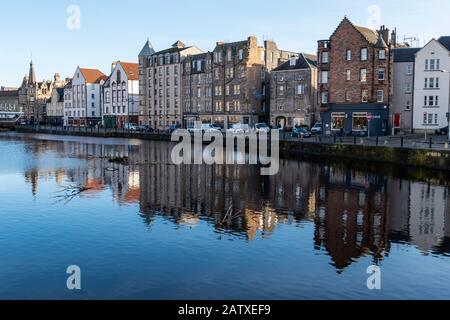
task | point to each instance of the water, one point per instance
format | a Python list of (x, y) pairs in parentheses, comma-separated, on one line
[(152, 230)]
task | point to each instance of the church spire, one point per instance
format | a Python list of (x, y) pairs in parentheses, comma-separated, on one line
[(32, 76)]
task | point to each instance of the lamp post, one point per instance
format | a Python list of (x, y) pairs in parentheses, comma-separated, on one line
[(448, 111)]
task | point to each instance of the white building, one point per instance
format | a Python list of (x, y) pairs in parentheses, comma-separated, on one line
[(120, 102), (83, 107), (432, 85)]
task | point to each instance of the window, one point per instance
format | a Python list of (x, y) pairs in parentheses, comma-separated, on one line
[(324, 77), (360, 122), (381, 74), (348, 96), (199, 92), (363, 76), (229, 55), (426, 64), (409, 69), (382, 54), (431, 83), (365, 95), (337, 120), (349, 55), (281, 90), (348, 75), (426, 83), (432, 64), (237, 89), (301, 89), (324, 97), (325, 57), (364, 54), (241, 54), (380, 96), (227, 90), (408, 87), (437, 83)]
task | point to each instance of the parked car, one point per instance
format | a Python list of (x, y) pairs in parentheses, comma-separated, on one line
[(442, 131), (239, 128), (205, 127), (262, 127), (317, 128), (144, 129), (299, 132), (130, 127), (172, 128)]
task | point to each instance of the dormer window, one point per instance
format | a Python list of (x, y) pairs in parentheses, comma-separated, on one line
[(292, 61)]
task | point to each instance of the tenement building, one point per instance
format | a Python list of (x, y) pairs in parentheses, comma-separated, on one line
[(294, 92), (120, 101), (197, 89), (241, 80), (354, 76), (402, 89), (160, 84), (432, 85), (10, 109), (84, 106)]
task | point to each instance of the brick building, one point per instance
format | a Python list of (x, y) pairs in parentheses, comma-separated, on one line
[(354, 77)]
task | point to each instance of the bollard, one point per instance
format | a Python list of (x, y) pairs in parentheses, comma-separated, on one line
[(402, 140), (354, 140), (431, 143), (376, 140)]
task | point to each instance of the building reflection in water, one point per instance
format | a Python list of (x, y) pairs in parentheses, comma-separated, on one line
[(354, 213)]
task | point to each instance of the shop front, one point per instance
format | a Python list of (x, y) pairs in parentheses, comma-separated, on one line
[(356, 120)]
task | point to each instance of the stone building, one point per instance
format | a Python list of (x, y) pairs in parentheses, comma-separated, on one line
[(34, 95), (197, 89), (120, 102), (403, 89), (160, 84), (354, 76), (55, 107), (293, 92)]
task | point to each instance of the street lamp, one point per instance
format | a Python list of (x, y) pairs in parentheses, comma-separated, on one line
[(448, 113)]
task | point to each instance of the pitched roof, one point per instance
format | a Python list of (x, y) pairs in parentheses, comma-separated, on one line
[(381, 43), (445, 41), (304, 61), (405, 54), (370, 35), (93, 75), (171, 50), (131, 69), (147, 50)]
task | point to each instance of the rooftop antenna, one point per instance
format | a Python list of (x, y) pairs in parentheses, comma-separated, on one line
[(413, 42)]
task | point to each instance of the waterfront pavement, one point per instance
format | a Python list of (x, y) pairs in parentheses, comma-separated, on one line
[(415, 141)]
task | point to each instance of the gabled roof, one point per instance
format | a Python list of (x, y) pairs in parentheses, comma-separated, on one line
[(304, 61), (405, 54), (370, 35), (92, 75), (171, 50), (131, 69), (147, 50), (445, 41)]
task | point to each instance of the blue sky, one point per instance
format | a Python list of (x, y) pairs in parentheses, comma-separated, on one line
[(117, 30)]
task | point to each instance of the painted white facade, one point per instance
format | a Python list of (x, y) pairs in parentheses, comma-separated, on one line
[(431, 87), (67, 103), (84, 108), (121, 94)]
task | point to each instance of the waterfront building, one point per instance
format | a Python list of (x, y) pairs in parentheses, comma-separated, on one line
[(294, 92), (403, 89), (432, 86), (120, 101), (354, 76), (83, 105), (160, 84), (197, 89), (34, 95), (55, 107), (10, 108), (241, 91)]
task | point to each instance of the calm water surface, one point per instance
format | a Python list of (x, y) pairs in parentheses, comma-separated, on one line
[(152, 230)]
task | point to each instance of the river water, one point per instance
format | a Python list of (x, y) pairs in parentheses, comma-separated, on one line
[(153, 230)]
